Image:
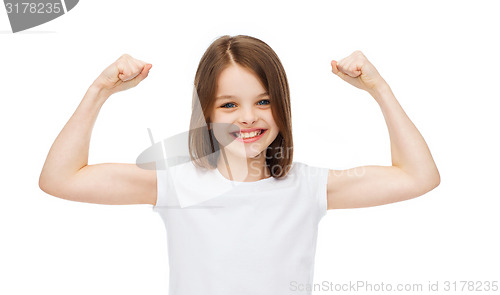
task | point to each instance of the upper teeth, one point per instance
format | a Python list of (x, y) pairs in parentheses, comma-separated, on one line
[(248, 134)]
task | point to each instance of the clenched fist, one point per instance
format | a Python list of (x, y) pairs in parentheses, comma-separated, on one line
[(126, 72), (358, 71)]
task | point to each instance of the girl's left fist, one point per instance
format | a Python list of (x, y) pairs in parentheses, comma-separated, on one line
[(358, 71)]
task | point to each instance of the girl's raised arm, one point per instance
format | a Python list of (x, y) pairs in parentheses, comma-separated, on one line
[(66, 173), (413, 171)]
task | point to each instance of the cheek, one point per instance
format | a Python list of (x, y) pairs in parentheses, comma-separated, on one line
[(275, 130), (272, 123), (221, 117), (221, 135)]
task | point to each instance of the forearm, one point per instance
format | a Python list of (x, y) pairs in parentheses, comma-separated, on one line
[(70, 150), (409, 150)]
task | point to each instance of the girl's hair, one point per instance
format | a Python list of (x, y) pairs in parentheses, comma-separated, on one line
[(256, 56)]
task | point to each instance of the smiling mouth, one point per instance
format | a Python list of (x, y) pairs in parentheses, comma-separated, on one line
[(248, 135)]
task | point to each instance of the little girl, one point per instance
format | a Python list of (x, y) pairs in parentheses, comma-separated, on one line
[(241, 216)]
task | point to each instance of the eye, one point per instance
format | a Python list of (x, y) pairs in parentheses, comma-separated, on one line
[(227, 105), (266, 101)]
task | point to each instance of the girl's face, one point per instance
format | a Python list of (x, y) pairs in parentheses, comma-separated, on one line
[(243, 107)]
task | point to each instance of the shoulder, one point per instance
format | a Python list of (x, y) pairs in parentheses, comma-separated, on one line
[(310, 173), (307, 169)]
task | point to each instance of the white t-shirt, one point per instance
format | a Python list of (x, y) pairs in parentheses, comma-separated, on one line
[(247, 238)]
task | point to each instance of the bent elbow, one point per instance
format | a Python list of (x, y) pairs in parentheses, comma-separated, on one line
[(46, 184), (431, 182), (42, 182), (424, 184), (436, 179)]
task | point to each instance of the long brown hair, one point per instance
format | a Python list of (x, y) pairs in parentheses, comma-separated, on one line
[(258, 57)]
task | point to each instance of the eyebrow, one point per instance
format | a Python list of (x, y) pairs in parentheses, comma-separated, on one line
[(232, 96)]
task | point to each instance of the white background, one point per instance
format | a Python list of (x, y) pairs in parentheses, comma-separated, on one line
[(440, 59)]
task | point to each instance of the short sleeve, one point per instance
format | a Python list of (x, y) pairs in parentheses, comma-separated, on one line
[(317, 178), (322, 191), (161, 184)]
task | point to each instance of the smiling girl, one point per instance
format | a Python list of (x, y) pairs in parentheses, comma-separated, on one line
[(241, 216)]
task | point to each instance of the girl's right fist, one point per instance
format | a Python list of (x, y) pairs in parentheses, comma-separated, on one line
[(126, 72)]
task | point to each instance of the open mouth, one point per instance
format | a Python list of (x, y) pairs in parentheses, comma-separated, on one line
[(248, 135)]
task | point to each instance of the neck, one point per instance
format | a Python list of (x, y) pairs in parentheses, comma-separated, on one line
[(242, 169)]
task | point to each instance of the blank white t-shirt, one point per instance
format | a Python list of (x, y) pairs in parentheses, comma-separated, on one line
[(248, 238)]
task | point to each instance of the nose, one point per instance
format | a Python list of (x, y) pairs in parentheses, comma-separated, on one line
[(248, 116)]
